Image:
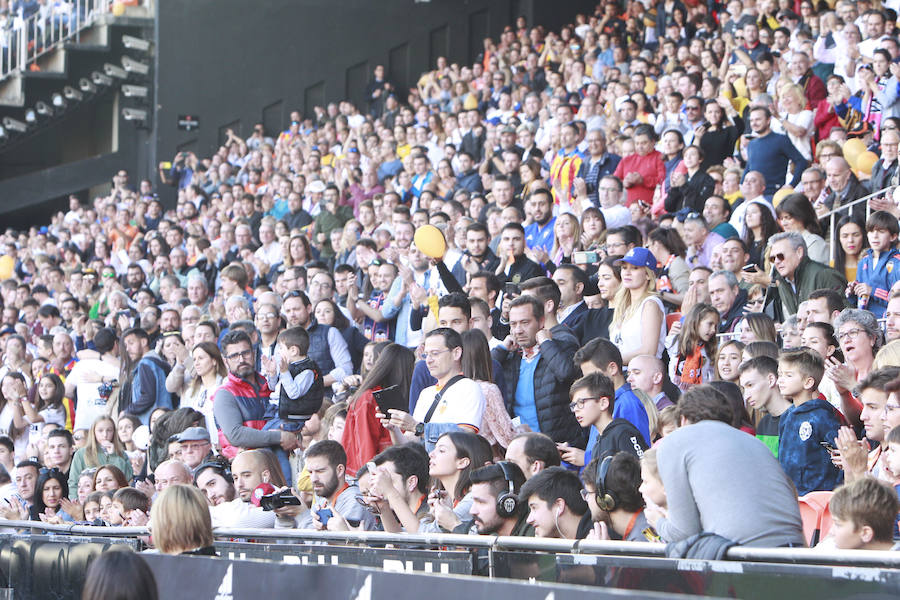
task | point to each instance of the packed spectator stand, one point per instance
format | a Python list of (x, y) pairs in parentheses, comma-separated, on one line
[(631, 280)]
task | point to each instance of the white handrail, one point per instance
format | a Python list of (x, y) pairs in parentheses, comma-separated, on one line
[(25, 39), (495, 543)]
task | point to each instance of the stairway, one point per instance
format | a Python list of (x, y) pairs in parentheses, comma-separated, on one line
[(108, 53)]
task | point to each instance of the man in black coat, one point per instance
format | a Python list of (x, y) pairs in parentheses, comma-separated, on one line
[(539, 369)]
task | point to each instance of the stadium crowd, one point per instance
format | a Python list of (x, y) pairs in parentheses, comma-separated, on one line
[(605, 282)]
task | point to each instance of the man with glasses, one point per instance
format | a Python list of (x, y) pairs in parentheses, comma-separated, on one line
[(609, 195), (455, 402), (242, 405), (812, 184), (798, 276), (843, 188), (885, 171)]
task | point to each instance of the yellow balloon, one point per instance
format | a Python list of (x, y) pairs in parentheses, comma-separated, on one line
[(430, 241), (865, 162), (853, 148), (118, 9), (6, 266), (781, 195)]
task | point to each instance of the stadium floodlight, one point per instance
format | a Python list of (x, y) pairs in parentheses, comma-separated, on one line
[(43, 109), (135, 66), (58, 100), (134, 43), (11, 124), (100, 79), (30, 116), (72, 94), (134, 114), (86, 85), (3, 135), (116, 71), (135, 91)]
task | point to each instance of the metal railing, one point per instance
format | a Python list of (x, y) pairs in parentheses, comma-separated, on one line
[(25, 39), (809, 556)]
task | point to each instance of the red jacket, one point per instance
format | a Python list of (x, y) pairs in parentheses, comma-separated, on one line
[(364, 435), (651, 168)]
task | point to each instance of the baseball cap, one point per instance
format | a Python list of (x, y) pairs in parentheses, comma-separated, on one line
[(639, 257), (194, 434)]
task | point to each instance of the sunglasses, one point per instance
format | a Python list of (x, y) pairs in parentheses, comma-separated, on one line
[(778, 257)]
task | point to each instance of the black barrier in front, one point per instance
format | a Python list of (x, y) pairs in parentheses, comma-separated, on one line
[(446, 562), (700, 577), (201, 578), (44, 566)]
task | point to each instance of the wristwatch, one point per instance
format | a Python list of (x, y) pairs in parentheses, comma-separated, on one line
[(420, 429)]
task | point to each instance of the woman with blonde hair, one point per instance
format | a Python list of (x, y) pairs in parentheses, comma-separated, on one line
[(888, 356), (103, 447), (638, 325), (566, 238), (180, 521), (798, 122)]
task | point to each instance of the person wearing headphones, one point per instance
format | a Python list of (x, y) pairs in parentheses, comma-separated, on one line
[(611, 489), (554, 502), (496, 507)]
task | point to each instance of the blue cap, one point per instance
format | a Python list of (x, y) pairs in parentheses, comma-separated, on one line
[(639, 257)]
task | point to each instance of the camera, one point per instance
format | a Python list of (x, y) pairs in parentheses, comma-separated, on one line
[(278, 500)]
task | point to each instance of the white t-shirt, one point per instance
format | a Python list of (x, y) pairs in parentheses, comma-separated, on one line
[(628, 336), (20, 443), (462, 403), (88, 409)]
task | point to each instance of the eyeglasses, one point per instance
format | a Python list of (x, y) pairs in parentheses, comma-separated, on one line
[(585, 494), (55, 471), (266, 315), (850, 333), (242, 354), (369, 507), (778, 257), (433, 354), (580, 402), (692, 108)]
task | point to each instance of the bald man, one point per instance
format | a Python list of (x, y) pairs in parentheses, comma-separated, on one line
[(647, 373), (172, 472)]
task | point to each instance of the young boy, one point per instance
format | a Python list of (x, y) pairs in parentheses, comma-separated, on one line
[(879, 267), (592, 399), (624, 517), (132, 506), (759, 380), (296, 380), (805, 425), (864, 514)]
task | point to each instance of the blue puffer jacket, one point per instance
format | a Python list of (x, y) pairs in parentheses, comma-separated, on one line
[(800, 452)]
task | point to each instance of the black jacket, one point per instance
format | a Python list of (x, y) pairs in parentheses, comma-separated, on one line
[(555, 373), (619, 436), (592, 323), (692, 194)]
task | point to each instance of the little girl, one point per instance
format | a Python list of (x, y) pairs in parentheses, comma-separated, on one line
[(693, 343), (51, 403)]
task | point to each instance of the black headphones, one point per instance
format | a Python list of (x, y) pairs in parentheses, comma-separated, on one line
[(606, 499), (507, 502), (219, 466)]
